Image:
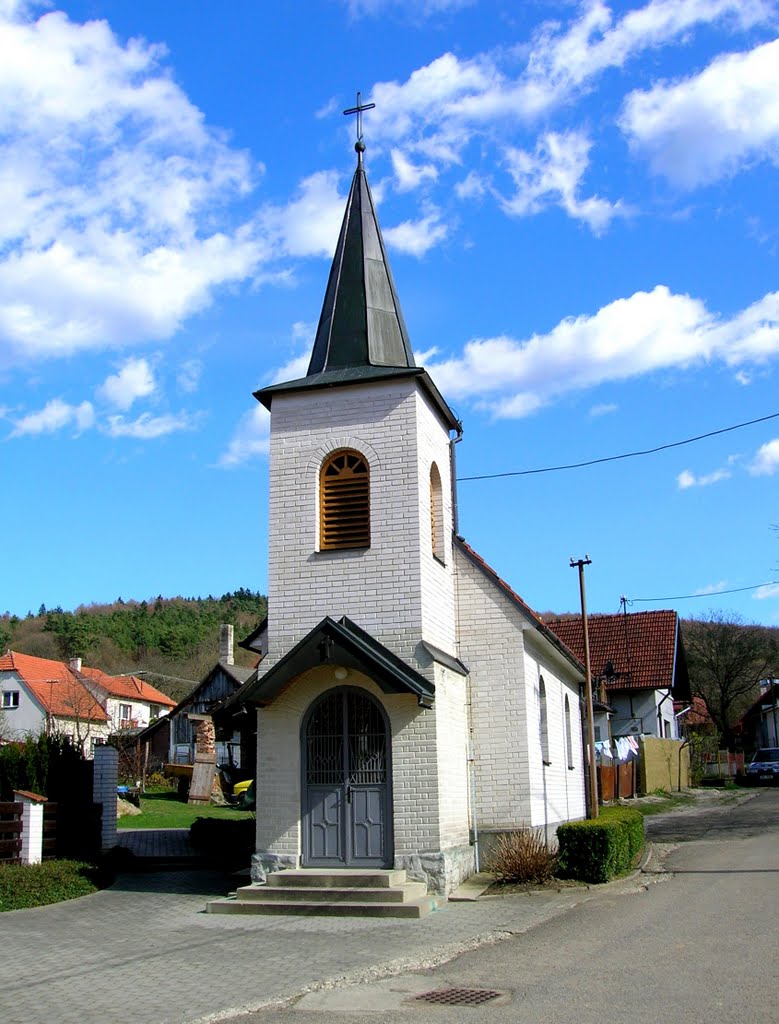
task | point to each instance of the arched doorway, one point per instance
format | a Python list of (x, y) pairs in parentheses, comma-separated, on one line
[(347, 815)]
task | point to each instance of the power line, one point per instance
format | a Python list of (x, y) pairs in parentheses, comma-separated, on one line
[(625, 455), (714, 593)]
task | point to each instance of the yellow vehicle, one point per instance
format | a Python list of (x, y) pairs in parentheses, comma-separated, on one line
[(243, 793)]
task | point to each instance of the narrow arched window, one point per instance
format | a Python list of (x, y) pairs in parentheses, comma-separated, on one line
[(344, 502), (568, 733), (436, 513), (543, 724)]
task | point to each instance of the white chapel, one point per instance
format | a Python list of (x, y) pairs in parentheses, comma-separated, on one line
[(410, 706)]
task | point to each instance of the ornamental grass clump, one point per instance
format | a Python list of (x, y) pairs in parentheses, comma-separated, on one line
[(522, 856)]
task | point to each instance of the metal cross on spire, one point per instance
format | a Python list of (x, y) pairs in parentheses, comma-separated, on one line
[(359, 145)]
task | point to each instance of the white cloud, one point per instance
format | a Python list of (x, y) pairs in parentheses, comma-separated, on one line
[(769, 591), (443, 104), (712, 588), (409, 175), (416, 237), (134, 380), (604, 409), (251, 438), (552, 174), (147, 427), (188, 376), (686, 479), (414, 8), (711, 125), (473, 186), (308, 225), (766, 460), (108, 175), (641, 334), (55, 415)]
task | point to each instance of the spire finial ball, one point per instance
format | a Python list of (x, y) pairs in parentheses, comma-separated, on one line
[(359, 146)]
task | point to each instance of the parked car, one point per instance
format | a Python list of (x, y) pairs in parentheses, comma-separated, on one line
[(764, 766)]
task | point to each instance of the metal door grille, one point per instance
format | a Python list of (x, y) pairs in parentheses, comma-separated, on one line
[(367, 742), (324, 738)]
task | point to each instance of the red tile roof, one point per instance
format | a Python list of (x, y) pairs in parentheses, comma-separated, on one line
[(642, 647), (130, 687), (54, 686)]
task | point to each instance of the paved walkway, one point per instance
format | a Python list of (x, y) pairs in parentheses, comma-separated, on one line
[(157, 843), (145, 952)]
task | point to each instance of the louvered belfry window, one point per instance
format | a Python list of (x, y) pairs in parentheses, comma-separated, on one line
[(344, 496)]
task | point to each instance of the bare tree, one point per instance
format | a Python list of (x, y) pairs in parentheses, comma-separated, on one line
[(727, 658)]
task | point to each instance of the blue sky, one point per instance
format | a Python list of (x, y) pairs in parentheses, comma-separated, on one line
[(579, 202)]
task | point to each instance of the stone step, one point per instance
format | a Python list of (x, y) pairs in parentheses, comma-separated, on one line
[(338, 878), (330, 894), (412, 909)]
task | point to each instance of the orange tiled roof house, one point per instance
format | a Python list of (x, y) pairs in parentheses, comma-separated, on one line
[(42, 695)]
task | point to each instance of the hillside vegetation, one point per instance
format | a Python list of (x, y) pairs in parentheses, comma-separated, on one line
[(172, 641)]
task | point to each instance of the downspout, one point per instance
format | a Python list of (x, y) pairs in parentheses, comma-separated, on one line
[(686, 743), (471, 752), (453, 477)]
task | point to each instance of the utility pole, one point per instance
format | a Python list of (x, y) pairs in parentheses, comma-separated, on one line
[(580, 564)]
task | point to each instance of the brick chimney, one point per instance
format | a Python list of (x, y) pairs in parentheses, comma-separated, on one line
[(226, 644)]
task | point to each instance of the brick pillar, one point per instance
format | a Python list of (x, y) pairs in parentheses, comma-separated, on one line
[(32, 825), (104, 792)]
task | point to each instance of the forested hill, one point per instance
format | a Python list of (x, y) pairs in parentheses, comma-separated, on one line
[(174, 641)]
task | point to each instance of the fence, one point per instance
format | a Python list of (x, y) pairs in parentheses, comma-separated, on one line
[(722, 765), (10, 833), (617, 781), (28, 829)]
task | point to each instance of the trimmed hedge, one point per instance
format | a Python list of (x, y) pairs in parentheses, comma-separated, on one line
[(598, 849), (37, 885)]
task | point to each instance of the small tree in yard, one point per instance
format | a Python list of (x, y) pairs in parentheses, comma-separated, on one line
[(727, 658)]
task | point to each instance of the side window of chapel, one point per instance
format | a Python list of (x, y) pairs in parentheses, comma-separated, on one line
[(344, 502), (436, 513)]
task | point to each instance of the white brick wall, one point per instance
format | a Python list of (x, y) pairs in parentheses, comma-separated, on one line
[(505, 660), (395, 589), (414, 766)]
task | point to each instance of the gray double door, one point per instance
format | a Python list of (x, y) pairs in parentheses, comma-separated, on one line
[(346, 791)]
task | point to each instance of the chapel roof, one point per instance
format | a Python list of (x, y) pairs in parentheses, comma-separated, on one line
[(361, 336)]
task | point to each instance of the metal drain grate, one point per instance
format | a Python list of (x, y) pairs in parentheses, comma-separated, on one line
[(458, 996)]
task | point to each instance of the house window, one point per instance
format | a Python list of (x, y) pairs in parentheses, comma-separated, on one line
[(568, 733), (543, 724), (125, 715), (436, 513), (344, 502), (10, 700)]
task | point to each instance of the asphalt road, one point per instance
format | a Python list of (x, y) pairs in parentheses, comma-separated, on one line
[(695, 941)]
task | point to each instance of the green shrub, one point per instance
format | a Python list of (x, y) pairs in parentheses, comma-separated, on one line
[(36, 885), (522, 856), (598, 849)]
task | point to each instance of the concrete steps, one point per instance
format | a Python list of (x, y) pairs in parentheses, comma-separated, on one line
[(336, 892)]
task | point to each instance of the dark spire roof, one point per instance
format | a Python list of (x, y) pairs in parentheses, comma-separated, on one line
[(361, 335), (361, 322)]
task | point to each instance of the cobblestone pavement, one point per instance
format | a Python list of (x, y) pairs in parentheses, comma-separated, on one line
[(157, 843), (145, 952)]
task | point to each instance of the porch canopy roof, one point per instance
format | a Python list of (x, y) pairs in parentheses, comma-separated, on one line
[(337, 643)]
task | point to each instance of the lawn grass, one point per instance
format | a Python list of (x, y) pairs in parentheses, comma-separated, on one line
[(166, 810)]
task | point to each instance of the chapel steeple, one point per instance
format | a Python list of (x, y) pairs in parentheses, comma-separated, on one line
[(361, 337)]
